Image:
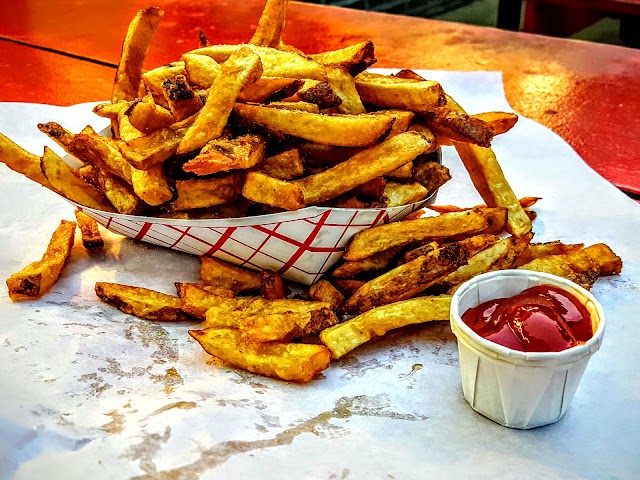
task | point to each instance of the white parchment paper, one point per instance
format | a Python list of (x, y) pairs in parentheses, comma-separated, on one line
[(89, 392)]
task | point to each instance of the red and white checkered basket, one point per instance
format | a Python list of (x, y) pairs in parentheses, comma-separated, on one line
[(299, 245)]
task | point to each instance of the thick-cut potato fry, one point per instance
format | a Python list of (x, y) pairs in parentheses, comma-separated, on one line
[(431, 175), (374, 263), (148, 117), (89, 230), (500, 122), (411, 278), (201, 70), (406, 94), (341, 130), (363, 167), (119, 193), (608, 262), (356, 58), (21, 161), (396, 234), (539, 250), (284, 166), (416, 252), (343, 85), (58, 134), (38, 277), (154, 79), (221, 274), (272, 286), (141, 302), (269, 89), (240, 69), (222, 155), (182, 101), (275, 63), (578, 267), (107, 110), (126, 130), (318, 93), (346, 336), (397, 194), (299, 106), (145, 152), (324, 291), (134, 50), (459, 127), (271, 24), (66, 181), (295, 362), (197, 299), (262, 188), (203, 193), (405, 172), (152, 186), (96, 150)]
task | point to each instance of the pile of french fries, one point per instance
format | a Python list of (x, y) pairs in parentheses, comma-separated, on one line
[(236, 130)]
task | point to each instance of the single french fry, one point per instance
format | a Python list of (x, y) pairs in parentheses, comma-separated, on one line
[(418, 252), (96, 150), (411, 278), (89, 230), (145, 152), (363, 167), (222, 155), (459, 127), (316, 92), (58, 134), (240, 69), (500, 122), (298, 106), (262, 188), (324, 291), (578, 267), (397, 194), (221, 274), (539, 250), (155, 78), (346, 336), (182, 101), (431, 175), (21, 161), (384, 237), (295, 362), (197, 299), (134, 50), (271, 24), (66, 181), (201, 70), (355, 58), (393, 92), (38, 277), (147, 116), (269, 89), (272, 286), (141, 302), (152, 186), (119, 193), (376, 262), (203, 193), (284, 166), (106, 110), (343, 85)]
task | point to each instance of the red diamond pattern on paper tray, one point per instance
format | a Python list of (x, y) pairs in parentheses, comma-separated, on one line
[(299, 245)]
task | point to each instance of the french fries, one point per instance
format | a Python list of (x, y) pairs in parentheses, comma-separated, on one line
[(38, 277), (141, 302), (89, 230)]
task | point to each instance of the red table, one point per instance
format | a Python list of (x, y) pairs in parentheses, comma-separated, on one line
[(63, 52)]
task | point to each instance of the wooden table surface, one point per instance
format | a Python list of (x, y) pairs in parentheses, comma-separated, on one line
[(65, 52)]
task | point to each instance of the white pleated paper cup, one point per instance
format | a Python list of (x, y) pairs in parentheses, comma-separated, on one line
[(513, 388)]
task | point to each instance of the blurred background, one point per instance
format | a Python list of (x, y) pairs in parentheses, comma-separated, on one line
[(615, 22)]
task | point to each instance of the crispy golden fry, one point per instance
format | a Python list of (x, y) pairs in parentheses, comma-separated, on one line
[(134, 50), (355, 58), (262, 188), (222, 155), (154, 79), (38, 277), (316, 92), (397, 194), (404, 172), (500, 122), (275, 63), (58, 134), (376, 262), (203, 193), (96, 150), (295, 362), (272, 286), (242, 68), (431, 176), (489, 180), (89, 230), (126, 130), (106, 110), (152, 185), (384, 237), (608, 262), (267, 89), (145, 152), (21, 161), (539, 250), (221, 274), (346, 336), (66, 181), (459, 127), (141, 302), (342, 130), (393, 92), (148, 117), (201, 70), (269, 326), (299, 106), (578, 267), (348, 286), (411, 278), (271, 24), (182, 101), (498, 256), (284, 166), (363, 167), (417, 252), (119, 193), (324, 291), (197, 299), (344, 86)]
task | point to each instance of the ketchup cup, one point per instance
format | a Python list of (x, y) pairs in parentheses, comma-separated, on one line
[(514, 388)]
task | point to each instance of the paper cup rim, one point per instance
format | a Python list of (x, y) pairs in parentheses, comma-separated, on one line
[(501, 352)]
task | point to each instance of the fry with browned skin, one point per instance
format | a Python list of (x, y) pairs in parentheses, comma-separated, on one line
[(141, 302), (21, 161), (89, 230), (271, 24), (324, 291), (272, 286), (221, 274)]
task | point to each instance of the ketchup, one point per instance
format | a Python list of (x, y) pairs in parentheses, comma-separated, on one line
[(540, 319)]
